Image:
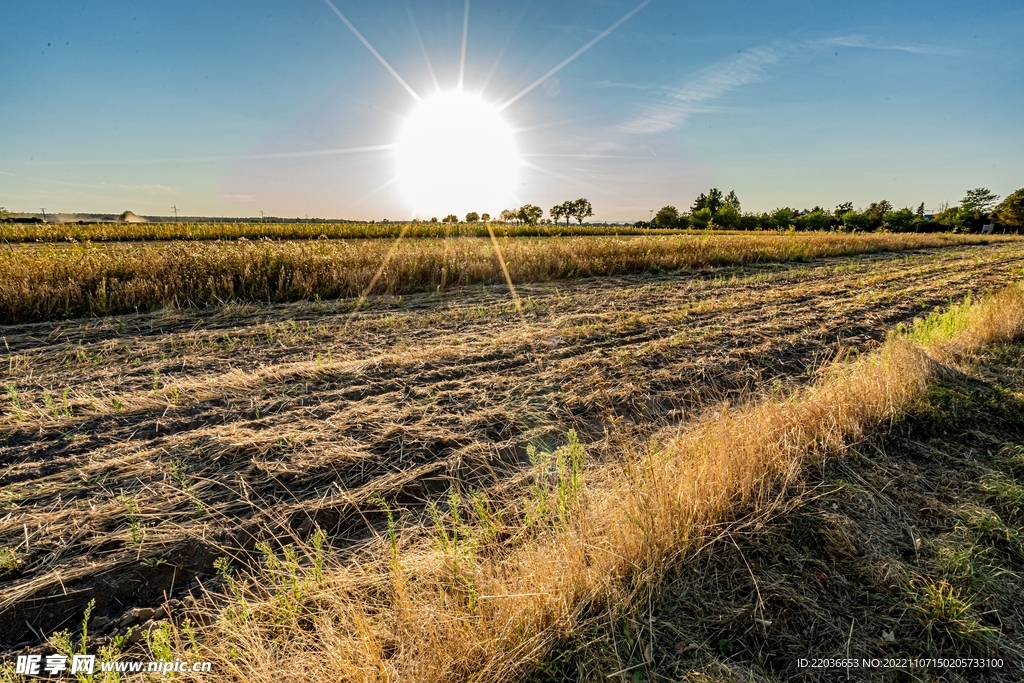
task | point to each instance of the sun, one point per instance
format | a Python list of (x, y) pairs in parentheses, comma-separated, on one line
[(456, 154)]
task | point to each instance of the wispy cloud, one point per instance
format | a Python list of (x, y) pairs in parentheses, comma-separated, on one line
[(752, 66), (709, 84), (239, 198), (6, 173), (150, 188), (866, 43), (631, 86)]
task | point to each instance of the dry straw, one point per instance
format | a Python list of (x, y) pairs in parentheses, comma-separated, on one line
[(40, 282), (470, 597)]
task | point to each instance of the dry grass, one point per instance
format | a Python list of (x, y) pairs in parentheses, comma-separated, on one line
[(53, 282), (485, 599), (155, 232)]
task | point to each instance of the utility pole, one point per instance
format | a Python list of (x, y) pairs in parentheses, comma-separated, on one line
[(44, 214), (652, 217), (175, 210), (261, 216)]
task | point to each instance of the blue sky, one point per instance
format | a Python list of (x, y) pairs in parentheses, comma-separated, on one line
[(231, 108)]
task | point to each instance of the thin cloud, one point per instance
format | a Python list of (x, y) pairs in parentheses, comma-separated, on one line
[(709, 84), (864, 43), (239, 198), (151, 188), (631, 86), (753, 66)]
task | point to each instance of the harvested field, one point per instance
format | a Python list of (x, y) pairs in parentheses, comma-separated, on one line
[(139, 449), (45, 282)]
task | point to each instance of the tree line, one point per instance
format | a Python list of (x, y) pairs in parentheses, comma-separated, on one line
[(530, 214), (978, 208), (714, 209)]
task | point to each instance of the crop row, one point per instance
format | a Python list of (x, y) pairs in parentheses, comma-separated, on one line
[(54, 281)]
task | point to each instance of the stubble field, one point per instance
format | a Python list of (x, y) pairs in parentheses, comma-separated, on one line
[(137, 450)]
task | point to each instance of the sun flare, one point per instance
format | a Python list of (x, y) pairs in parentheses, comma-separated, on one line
[(456, 154)]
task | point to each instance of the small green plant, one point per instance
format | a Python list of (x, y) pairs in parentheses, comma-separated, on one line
[(9, 561), (290, 580), (116, 402), (392, 531), (15, 399), (156, 381), (941, 325), (65, 405), (240, 608), (132, 511), (488, 518), (161, 642), (558, 484), (179, 474), (51, 405)]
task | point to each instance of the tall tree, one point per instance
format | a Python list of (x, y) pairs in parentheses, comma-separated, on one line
[(529, 214), (712, 201), (1010, 211), (667, 217), (581, 209), (472, 217), (732, 200), (560, 211), (979, 200)]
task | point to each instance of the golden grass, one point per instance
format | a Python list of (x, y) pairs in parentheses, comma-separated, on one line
[(149, 232), (51, 281), (481, 599)]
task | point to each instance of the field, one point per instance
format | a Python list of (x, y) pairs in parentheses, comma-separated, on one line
[(46, 282), (147, 232), (230, 405)]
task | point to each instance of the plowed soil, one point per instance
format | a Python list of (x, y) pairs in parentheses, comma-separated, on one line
[(136, 450)]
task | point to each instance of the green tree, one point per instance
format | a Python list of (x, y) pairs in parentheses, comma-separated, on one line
[(1010, 211), (508, 216), (560, 211), (667, 217), (581, 209), (472, 217), (876, 214), (732, 200), (701, 218), (712, 201), (485, 217), (979, 201), (728, 216), (899, 221), (450, 218), (817, 219), (782, 219), (433, 219), (529, 214), (855, 221)]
